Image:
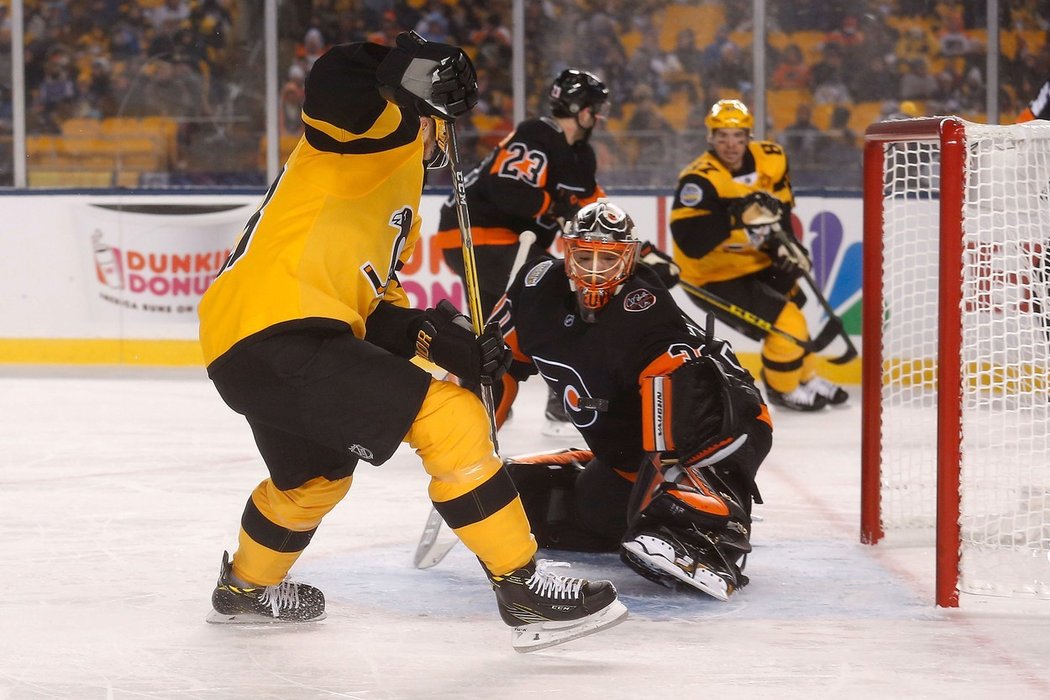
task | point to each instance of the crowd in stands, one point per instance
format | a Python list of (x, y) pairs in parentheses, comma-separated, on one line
[(832, 67)]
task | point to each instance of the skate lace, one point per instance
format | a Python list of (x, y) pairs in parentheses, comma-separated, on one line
[(283, 596), (549, 584), (804, 393), (822, 387)]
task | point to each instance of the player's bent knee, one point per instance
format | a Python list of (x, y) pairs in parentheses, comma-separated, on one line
[(451, 436)]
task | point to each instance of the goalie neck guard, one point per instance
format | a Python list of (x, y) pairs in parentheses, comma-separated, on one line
[(600, 255)]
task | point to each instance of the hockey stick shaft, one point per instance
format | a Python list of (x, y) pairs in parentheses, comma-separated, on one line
[(833, 318), (429, 551), (742, 314), (470, 266)]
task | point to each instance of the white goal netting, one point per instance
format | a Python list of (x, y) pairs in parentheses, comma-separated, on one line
[(1004, 463)]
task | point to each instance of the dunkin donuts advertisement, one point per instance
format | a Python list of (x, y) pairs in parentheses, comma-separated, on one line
[(153, 262)]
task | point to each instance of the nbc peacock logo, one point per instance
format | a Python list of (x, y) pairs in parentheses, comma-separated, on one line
[(836, 265)]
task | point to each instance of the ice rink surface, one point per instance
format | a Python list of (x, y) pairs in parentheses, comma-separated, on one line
[(119, 490)]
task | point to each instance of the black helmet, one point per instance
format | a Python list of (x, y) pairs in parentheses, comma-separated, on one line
[(575, 90)]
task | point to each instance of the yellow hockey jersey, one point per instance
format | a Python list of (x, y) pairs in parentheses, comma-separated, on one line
[(706, 246), (325, 244)]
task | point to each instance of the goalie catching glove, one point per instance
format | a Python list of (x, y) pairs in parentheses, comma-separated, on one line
[(446, 337), (437, 80)]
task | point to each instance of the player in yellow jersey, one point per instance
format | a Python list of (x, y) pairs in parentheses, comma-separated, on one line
[(745, 265), (307, 332)]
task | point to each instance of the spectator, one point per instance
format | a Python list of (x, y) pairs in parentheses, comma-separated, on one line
[(732, 72), (791, 73), (914, 44), (293, 94), (55, 98), (650, 139), (875, 81), (802, 137), (952, 39), (917, 83), (312, 48), (688, 54), (167, 17)]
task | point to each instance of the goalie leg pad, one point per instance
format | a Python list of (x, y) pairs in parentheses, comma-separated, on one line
[(562, 511)]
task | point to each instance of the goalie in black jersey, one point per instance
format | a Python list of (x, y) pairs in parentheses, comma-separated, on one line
[(675, 426)]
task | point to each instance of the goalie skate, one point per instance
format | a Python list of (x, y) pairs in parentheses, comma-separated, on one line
[(546, 609), (662, 557)]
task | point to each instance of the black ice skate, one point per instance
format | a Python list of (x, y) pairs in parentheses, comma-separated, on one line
[(661, 556), (546, 609), (832, 393), (804, 397), (285, 602)]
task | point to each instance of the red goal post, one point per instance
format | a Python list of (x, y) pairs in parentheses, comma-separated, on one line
[(956, 349)]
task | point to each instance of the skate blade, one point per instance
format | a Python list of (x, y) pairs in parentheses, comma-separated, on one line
[(558, 428), (218, 618), (543, 635), (703, 579)]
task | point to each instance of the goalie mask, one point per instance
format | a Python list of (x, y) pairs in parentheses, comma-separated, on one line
[(600, 254)]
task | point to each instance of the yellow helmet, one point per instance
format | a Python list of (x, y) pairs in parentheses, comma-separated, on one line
[(729, 114)]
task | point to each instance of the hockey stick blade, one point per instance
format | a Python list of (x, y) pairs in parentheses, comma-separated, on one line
[(433, 546)]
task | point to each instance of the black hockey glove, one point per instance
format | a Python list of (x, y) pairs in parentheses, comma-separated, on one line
[(712, 411), (660, 263), (437, 80), (564, 207), (789, 259), (446, 338), (756, 209)]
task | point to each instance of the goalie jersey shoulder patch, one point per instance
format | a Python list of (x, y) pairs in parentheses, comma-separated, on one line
[(536, 274), (639, 300)]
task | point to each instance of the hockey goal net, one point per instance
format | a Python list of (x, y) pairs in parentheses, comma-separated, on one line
[(956, 354)]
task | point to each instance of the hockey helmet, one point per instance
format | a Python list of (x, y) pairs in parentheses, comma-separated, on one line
[(600, 254), (575, 90), (729, 114)]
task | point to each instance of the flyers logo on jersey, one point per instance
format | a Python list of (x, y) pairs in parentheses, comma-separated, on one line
[(639, 300)]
